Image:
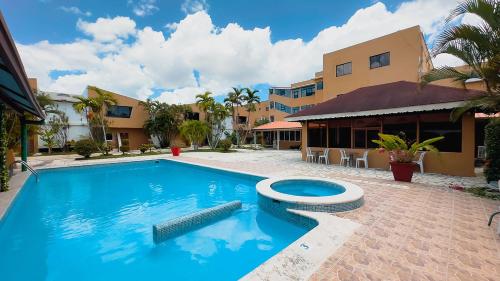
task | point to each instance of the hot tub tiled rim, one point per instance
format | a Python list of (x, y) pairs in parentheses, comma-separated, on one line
[(352, 193)]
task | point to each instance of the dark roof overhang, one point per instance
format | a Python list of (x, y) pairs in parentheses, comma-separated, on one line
[(14, 87)]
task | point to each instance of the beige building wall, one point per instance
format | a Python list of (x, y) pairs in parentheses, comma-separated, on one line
[(409, 59), (132, 127)]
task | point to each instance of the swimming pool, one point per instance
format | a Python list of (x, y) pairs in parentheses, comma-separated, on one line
[(95, 223)]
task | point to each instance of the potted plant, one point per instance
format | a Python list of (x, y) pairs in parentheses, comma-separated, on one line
[(402, 154), (176, 149)]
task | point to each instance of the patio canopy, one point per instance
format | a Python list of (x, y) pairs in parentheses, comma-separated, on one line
[(14, 87), (390, 98), (278, 126)]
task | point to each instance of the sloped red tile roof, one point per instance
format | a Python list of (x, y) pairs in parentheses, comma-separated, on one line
[(278, 125), (384, 97)]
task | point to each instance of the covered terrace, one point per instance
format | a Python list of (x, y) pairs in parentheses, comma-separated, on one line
[(280, 134), (15, 96), (351, 121)]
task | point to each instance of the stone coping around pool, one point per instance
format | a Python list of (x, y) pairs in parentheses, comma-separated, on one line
[(303, 257), (352, 192), (16, 183)]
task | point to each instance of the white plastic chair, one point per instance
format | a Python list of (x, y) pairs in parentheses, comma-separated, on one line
[(420, 161), (324, 156), (363, 159), (310, 155), (344, 158)]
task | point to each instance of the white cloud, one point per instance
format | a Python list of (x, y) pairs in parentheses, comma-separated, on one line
[(75, 10), (143, 8), (194, 6), (223, 56), (106, 29)]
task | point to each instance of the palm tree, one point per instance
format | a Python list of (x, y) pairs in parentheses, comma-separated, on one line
[(102, 101), (85, 105), (204, 102), (479, 47), (251, 98), (233, 101)]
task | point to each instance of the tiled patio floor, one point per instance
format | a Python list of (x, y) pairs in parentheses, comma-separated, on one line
[(417, 231), (409, 232)]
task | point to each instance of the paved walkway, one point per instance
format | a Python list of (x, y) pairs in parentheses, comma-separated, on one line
[(410, 231)]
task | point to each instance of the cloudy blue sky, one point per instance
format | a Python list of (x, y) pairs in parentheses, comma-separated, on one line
[(172, 50)]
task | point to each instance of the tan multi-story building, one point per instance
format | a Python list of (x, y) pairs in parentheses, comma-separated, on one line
[(125, 120), (374, 87), (399, 56)]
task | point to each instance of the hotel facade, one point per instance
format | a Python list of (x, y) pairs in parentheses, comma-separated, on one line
[(374, 87)]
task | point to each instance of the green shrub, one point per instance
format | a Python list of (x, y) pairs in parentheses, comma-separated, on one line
[(106, 148), (125, 147), (85, 147), (492, 141), (145, 147), (225, 145)]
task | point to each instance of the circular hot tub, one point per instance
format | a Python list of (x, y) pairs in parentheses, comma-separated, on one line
[(308, 193), (302, 187)]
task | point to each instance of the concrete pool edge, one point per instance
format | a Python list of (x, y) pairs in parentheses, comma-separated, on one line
[(299, 260)]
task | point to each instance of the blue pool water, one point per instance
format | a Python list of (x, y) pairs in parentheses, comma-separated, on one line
[(95, 223), (307, 188)]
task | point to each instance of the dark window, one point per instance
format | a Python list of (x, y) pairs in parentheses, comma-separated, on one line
[(359, 138), (242, 119), (109, 137), (363, 138), (344, 137), (316, 135), (319, 85), (380, 60), (282, 135), (344, 69), (307, 91), (371, 135), (119, 111), (297, 135), (333, 137), (406, 130), (295, 109), (193, 116), (295, 93), (271, 118), (451, 131)]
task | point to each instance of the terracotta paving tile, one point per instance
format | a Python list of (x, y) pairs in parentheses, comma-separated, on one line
[(411, 231)]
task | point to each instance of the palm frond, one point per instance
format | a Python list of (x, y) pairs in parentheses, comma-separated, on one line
[(447, 72)]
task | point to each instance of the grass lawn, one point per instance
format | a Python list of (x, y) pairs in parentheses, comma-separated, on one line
[(210, 150), (111, 156)]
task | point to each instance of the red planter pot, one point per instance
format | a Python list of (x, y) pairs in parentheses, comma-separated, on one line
[(176, 151), (402, 171)]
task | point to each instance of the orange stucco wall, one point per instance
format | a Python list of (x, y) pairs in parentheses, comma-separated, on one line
[(449, 163), (134, 125), (137, 118), (408, 60)]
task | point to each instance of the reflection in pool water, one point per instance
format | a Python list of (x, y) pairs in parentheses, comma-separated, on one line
[(95, 223)]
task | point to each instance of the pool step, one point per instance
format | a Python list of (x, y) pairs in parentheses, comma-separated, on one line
[(180, 225)]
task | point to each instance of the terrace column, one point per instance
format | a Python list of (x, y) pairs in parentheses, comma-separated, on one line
[(24, 142), (278, 140)]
